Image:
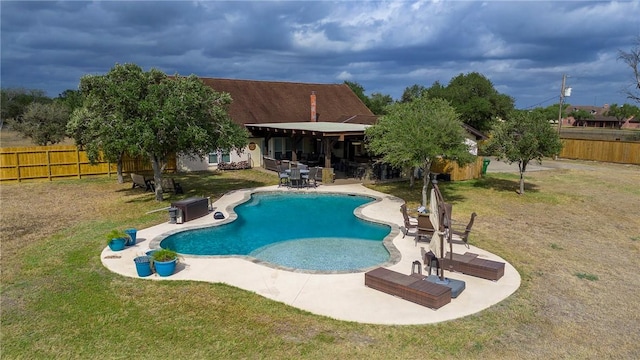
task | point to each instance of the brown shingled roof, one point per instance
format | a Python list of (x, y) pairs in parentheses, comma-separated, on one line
[(257, 102)]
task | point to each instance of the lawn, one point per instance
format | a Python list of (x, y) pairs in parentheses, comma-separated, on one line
[(574, 237)]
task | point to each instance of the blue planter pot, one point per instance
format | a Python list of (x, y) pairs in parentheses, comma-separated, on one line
[(143, 265), (117, 244), (132, 236), (165, 268)]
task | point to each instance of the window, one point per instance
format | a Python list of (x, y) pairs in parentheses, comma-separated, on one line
[(224, 157)]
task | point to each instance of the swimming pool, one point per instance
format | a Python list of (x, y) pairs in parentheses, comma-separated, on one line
[(302, 231)]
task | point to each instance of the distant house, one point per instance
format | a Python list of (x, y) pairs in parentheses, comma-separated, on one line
[(599, 120), (295, 121)]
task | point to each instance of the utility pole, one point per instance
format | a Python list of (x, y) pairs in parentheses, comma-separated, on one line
[(564, 91)]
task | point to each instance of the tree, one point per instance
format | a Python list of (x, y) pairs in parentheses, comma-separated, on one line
[(14, 102), (580, 114), (622, 113), (413, 134), (379, 102), (551, 112), (522, 137), (358, 90), (102, 127), (632, 59), (412, 92), (154, 115), (45, 124), (475, 99), (70, 98)]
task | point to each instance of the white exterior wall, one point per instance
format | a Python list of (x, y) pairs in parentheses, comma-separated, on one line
[(185, 164), (473, 146)]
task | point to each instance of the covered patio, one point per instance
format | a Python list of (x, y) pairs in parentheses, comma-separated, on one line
[(331, 145)]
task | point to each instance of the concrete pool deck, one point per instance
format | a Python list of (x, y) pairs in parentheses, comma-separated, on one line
[(339, 296)]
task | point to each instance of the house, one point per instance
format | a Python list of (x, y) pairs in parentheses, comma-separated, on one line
[(296, 121), (599, 120)]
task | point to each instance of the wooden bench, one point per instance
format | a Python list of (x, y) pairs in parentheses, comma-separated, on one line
[(409, 287), (142, 182), (469, 263), (270, 163)]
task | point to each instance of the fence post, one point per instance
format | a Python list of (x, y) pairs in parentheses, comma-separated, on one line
[(78, 162), (17, 166), (48, 164)]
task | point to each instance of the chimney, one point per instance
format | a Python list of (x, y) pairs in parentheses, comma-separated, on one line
[(313, 106)]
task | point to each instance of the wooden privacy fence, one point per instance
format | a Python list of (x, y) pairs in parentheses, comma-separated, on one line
[(62, 161), (623, 152), (469, 171)]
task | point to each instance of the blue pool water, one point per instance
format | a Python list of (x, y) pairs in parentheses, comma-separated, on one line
[(299, 231)]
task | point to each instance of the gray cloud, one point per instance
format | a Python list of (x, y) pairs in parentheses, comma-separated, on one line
[(522, 47)]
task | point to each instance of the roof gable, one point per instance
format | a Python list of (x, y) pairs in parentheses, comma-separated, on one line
[(257, 102)]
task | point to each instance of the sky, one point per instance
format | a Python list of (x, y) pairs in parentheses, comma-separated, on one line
[(523, 47)]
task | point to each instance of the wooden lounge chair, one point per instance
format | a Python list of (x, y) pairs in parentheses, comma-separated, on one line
[(169, 184), (409, 222), (142, 182), (470, 264), (409, 287)]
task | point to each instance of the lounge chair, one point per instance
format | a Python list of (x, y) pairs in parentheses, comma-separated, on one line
[(169, 184), (142, 182), (413, 288), (409, 222), (470, 264)]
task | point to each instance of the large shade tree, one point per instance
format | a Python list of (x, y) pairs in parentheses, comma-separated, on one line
[(415, 133), (155, 115), (475, 99), (523, 136)]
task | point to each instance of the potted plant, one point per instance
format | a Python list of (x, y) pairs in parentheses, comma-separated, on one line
[(117, 239), (164, 261)]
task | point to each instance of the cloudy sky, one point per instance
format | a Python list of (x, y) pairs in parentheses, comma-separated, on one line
[(523, 47)]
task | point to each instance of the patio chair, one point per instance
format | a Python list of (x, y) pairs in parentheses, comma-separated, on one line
[(409, 222), (284, 177), (295, 179), (311, 177), (425, 227), (464, 235)]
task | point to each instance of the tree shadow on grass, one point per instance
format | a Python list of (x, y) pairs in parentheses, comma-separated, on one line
[(214, 184), (504, 184), (198, 184)]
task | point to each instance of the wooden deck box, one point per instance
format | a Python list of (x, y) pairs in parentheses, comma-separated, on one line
[(408, 287), (192, 208), (470, 264)]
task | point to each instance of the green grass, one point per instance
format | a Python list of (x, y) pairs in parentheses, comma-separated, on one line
[(586, 276), (59, 301)]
